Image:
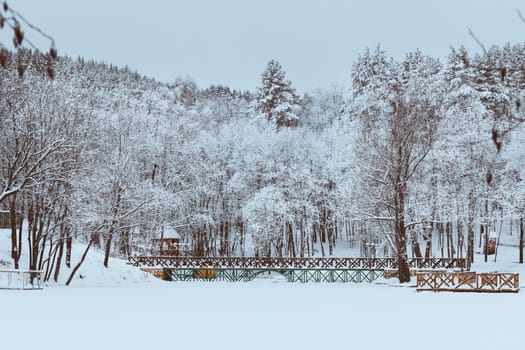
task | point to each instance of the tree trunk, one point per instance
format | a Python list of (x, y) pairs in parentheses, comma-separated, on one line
[(321, 233), (59, 260), (403, 269), (450, 241), (49, 261), (486, 248), (291, 241), (470, 242), (240, 225), (69, 244), (31, 233), (460, 238), (15, 252), (416, 249), (427, 234), (441, 238), (521, 240), (107, 249), (20, 232), (124, 245), (302, 242), (77, 266), (470, 229), (400, 233)]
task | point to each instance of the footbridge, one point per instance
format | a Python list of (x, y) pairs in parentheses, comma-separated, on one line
[(177, 268)]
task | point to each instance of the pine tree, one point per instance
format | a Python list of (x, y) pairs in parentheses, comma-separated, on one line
[(276, 98)]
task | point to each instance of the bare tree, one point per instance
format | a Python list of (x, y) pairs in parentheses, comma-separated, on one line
[(27, 142)]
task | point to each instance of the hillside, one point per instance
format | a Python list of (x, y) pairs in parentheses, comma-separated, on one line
[(414, 152), (92, 273)]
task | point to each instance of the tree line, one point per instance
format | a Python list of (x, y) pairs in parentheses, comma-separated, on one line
[(413, 152)]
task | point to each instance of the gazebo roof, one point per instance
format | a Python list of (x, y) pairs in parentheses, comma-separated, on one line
[(171, 233)]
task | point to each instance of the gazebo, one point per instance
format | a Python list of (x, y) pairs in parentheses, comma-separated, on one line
[(168, 244)]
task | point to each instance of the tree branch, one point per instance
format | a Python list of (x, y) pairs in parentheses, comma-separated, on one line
[(471, 33), (520, 16)]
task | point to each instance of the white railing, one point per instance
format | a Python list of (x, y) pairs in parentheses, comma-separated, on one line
[(21, 279)]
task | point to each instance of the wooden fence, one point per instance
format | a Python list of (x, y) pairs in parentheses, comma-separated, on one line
[(496, 282)]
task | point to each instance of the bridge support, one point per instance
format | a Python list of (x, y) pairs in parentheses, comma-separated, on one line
[(292, 275)]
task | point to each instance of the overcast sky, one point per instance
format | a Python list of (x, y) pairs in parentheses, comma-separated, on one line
[(230, 41)]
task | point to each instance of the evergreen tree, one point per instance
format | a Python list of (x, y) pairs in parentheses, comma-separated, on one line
[(276, 98)]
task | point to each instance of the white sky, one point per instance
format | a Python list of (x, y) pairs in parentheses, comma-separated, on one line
[(230, 41)]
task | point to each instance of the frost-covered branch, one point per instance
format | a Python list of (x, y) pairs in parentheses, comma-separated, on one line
[(471, 33)]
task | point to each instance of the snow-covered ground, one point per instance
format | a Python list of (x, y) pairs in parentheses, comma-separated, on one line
[(258, 315), (122, 308), (91, 272)]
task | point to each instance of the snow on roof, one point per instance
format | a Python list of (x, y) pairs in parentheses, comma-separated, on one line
[(170, 233)]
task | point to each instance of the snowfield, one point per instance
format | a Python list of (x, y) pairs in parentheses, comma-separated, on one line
[(265, 314), (269, 313), (125, 308)]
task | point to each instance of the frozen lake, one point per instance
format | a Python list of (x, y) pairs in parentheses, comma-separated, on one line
[(264, 314)]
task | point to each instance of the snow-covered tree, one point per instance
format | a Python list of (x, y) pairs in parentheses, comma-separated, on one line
[(398, 106), (276, 98)]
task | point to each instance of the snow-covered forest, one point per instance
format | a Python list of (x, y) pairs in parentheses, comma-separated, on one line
[(411, 151)]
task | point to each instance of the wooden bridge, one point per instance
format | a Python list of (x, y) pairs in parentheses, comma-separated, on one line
[(177, 268)]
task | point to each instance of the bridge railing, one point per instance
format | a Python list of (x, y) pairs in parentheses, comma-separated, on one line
[(274, 263)]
